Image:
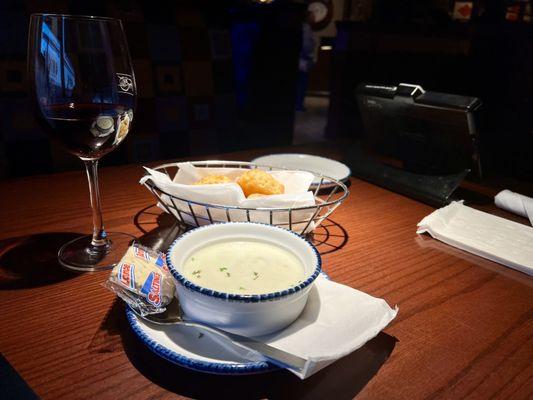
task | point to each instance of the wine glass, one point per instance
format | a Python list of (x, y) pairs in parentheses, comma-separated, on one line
[(84, 93)]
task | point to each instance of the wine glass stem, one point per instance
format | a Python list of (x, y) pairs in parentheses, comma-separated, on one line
[(99, 234)]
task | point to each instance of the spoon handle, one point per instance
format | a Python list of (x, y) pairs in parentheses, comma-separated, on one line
[(276, 356)]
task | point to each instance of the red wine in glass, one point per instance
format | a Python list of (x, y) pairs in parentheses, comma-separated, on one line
[(83, 89), (88, 130)]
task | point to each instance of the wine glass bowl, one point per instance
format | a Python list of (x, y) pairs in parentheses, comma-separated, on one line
[(88, 130), (84, 93)]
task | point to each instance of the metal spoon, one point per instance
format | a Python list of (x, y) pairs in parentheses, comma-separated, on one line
[(174, 316)]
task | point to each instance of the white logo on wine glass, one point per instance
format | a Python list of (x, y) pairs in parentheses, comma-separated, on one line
[(125, 83)]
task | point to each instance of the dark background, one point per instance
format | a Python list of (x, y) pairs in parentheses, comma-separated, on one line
[(217, 76), (206, 75), (490, 57)]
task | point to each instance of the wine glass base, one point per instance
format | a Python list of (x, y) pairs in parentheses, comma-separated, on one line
[(80, 255)]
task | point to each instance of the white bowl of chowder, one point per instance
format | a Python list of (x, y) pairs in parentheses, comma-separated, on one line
[(246, 278)]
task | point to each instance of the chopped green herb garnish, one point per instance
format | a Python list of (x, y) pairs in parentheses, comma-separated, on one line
[(256, 275), (228, 274), (192, 258), (241, 288), (197, 273), (222, 269)]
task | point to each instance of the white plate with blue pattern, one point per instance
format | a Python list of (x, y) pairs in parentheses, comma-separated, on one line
[(196, 349)]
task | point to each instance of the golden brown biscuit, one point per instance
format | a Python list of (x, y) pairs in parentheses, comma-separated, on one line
[(256, 181), (213, 179)]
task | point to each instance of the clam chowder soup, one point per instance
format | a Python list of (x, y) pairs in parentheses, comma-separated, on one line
[(244, 267)]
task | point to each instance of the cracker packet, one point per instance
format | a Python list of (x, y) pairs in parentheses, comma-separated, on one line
[(142, 280)]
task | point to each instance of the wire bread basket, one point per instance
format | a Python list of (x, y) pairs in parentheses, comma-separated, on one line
[(328, 194)]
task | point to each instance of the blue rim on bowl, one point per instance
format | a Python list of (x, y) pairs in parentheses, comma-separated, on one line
[(252, 298)]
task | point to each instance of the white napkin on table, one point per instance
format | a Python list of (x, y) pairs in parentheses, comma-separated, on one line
[(336, 321), (515, 203), (296, 194), (498, 239)]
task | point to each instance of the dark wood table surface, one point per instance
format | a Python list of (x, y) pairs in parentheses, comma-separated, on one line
[(464, 329)]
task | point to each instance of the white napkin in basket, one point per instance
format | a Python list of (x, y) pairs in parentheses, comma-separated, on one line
[(296, 194), (336, 321)]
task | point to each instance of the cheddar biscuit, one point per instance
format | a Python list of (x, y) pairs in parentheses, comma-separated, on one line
[(256, 181)]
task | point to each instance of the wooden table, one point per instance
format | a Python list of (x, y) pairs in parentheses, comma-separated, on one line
[(464, 330)]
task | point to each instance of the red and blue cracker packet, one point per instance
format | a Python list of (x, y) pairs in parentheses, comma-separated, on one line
[(142, 280)]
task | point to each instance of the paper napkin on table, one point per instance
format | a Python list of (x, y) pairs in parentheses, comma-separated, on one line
[(498, 239), (296, 194), (336, 321), (515, 203)]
